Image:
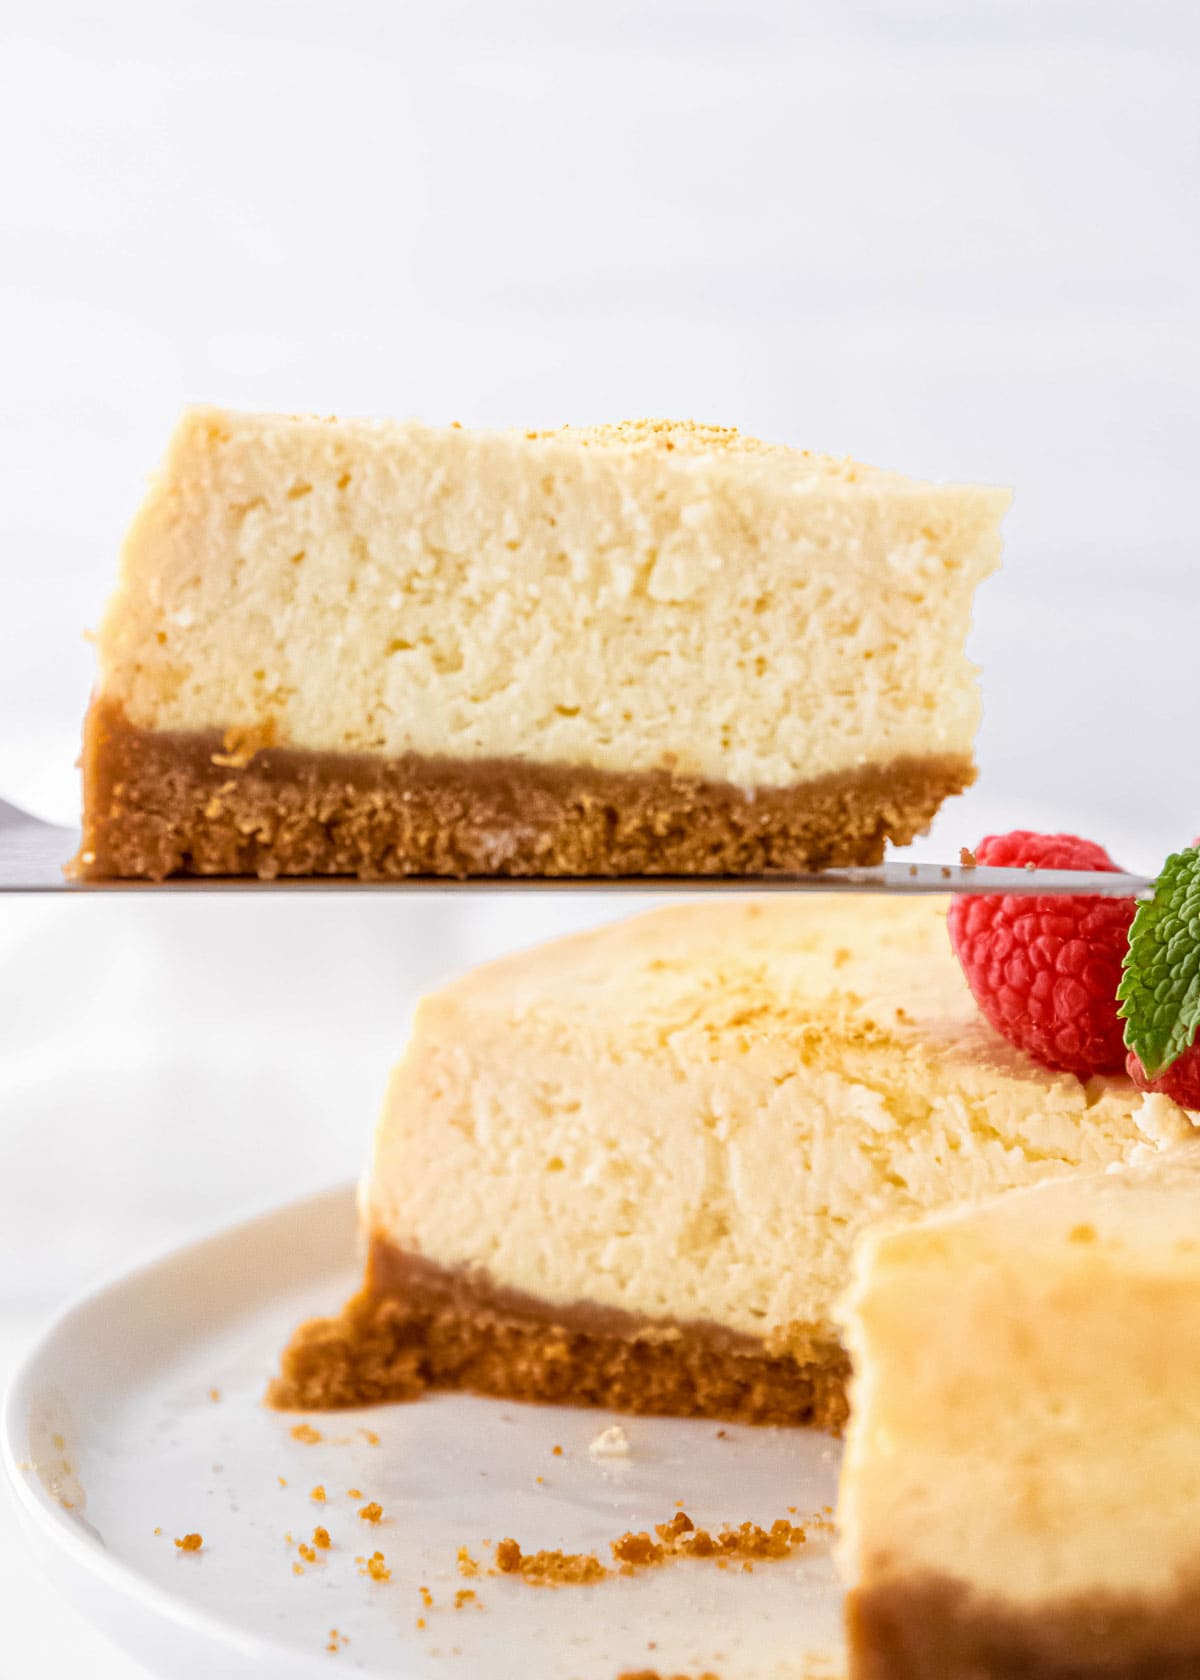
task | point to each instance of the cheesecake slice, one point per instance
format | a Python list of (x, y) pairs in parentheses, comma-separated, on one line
[(628, 1169), (1022, 1473), (381, 649)]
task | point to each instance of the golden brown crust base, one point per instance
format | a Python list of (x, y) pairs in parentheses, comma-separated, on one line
[(417, 1326), (158, 803), (932, 1628)]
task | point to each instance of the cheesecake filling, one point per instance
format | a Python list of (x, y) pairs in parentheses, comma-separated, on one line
[(721, 611), (679, 1125), (734, 1195), (1020, 1498), (652, 1246)]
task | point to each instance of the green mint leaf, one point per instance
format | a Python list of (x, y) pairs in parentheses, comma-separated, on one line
[(1159, 992)]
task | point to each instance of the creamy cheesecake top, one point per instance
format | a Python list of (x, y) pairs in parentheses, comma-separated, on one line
[(692, 1113), (1026, 1403), (645, 596)]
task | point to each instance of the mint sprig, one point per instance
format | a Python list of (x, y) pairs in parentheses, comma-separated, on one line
[(1159, 993)]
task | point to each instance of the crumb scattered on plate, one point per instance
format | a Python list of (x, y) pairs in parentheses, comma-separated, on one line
[(677, 1539), (610, 1443)]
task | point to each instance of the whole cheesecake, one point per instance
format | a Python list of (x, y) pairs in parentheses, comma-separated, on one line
[(628, 1169), (382, 648), (1021, 1478)]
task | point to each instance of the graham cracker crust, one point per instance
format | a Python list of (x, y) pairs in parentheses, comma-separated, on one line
[(417, 1326), (160, 803), (933, 1628)]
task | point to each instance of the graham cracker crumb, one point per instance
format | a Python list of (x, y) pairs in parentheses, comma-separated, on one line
[(214, 1394), (190, 1543), (637, 1550), (279, 820), (306, 1433), (556, 1451), (549, 1568), (679, 1538), (372, 1513), (467, 1566), (376, 1567), (465, 1595), (967, 858), (426, 1597), (241, 744), (353, 1493), (318, 1493), (297, 1569), (321, 1538), (282, 1480), (370, 1437), (307, 1553), (653, 1674)]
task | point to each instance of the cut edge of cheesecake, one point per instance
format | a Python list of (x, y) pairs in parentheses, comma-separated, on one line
[(383, 649), (548, 1213)]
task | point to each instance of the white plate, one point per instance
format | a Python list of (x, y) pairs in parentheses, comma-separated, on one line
[(110, 1432)]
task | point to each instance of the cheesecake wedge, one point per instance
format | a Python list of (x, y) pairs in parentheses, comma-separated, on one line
[(628, 1169), (1022, 1473), (379, 649)]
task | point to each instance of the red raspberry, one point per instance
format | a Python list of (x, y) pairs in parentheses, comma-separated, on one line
[(1044, 970), (1180, 1082)]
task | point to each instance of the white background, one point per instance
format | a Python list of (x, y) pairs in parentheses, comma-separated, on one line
[(956, 238)]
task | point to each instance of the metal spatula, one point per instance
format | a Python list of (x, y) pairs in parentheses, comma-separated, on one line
[(33, 853)]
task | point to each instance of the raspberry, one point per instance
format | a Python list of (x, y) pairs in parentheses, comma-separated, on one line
[(1044, 970), (1180, 1082)]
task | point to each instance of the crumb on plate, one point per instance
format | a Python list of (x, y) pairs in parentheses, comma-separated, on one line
[(610, 1443)]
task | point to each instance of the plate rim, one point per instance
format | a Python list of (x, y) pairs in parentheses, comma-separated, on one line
[(47, 1518)]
